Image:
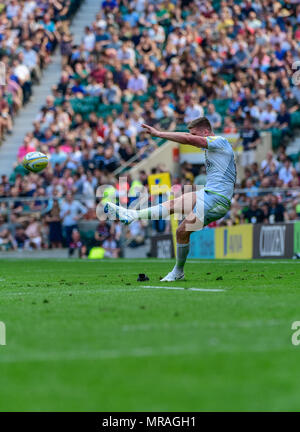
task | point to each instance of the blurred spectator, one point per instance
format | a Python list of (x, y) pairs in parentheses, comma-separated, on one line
[(111, 248), (283, 121), (6, 239), (103, 232), (268, 117), (213, 117), (136, 234), (254, 214), (250, 139), (277, 212), (55, 227), (285, 173), (71, 212), (76, 245), (266, 165), (21, 238), (33, 233), (193, 110)]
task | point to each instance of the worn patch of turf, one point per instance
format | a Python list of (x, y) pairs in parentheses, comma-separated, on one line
[(87, 336)]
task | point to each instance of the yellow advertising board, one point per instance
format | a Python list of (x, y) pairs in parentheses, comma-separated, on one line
[(174, 225), (195, 155), (191, 154), (159, 183), (234, 242)]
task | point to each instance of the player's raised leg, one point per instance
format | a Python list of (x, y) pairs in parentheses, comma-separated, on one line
[(180, 206), (190, 224)]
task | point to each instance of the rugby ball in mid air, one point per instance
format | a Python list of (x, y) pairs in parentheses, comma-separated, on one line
[(35, 162)]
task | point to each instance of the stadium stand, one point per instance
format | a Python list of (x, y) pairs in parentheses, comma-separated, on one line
[(29, 33), (162, 63)]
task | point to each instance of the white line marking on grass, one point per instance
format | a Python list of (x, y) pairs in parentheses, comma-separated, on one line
[(183, 289), (75, 291), (206, 289), (203, 324), (67, 292), (213, 347), (101, 354)]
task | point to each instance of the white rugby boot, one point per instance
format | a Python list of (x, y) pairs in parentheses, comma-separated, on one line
[(174, 275), (116, 212)]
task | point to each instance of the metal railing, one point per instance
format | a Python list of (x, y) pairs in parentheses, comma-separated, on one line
[(7, 202), (83, 198), (274, 191)]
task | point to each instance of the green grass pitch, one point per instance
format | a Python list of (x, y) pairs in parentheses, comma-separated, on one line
[(87, 336)]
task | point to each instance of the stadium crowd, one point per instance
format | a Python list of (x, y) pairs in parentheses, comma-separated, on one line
[(163, 63), (29, 33)]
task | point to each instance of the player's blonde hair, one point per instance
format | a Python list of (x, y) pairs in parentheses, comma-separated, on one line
[(200, 122)]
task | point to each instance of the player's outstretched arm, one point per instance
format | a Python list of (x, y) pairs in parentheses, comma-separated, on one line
[(180, 137)]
